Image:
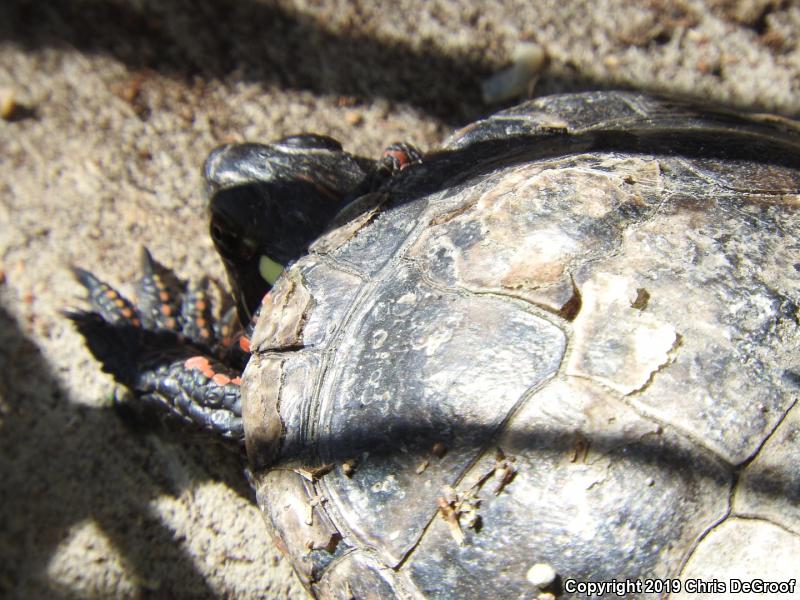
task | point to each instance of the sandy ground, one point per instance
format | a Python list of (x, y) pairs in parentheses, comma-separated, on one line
[(118, 102)]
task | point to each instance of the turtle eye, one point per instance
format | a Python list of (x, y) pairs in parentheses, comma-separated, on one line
[(222, 239), (231, 244)]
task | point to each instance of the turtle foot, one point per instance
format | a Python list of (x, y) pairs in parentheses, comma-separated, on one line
[(167, 348)]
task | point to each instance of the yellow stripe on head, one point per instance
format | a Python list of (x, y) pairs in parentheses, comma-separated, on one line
[(269, 269)]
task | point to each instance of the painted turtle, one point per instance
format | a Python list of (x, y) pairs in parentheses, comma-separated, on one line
[(559, 357)]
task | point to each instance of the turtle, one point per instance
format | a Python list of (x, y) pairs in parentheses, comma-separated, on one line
[(558, 357)]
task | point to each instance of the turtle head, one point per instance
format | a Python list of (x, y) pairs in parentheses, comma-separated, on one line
[(269, 202)]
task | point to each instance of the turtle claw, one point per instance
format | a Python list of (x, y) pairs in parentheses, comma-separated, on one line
[(164, 349), (159, 292), (196, 315), (399, 156), (106, 301), (395, 158)]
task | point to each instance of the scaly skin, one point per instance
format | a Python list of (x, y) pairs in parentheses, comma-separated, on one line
[(267, 204), (167, 349)]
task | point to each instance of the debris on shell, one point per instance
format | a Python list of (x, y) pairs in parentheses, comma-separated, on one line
[(347, 593), (439, 450), (641, 300), (329, 546), (457, 507), (579, 449), (504, 473), (449, 514), (422, 466), (541, 575), (467, 508), (528, 61), (313, 503), (349, 467), (450, 494), (313, 474)]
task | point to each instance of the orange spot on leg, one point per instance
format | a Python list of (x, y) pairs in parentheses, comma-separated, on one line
[(221, 379), (197, 362)]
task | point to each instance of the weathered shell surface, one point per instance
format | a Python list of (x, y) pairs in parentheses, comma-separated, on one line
[(605, 287)]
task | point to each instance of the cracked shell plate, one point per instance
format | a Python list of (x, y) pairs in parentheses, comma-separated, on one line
[(577, 344)]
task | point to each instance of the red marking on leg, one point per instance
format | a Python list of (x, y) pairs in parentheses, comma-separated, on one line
[(244, 344), (400, 156), (221, 379), (236, 381), (200, 363), (197, 362)]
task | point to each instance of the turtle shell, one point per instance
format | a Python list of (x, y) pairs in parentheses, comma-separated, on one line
[(567, 344)]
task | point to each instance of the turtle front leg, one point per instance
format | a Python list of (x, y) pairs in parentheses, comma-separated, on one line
[(399, 156), (166, 349)]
